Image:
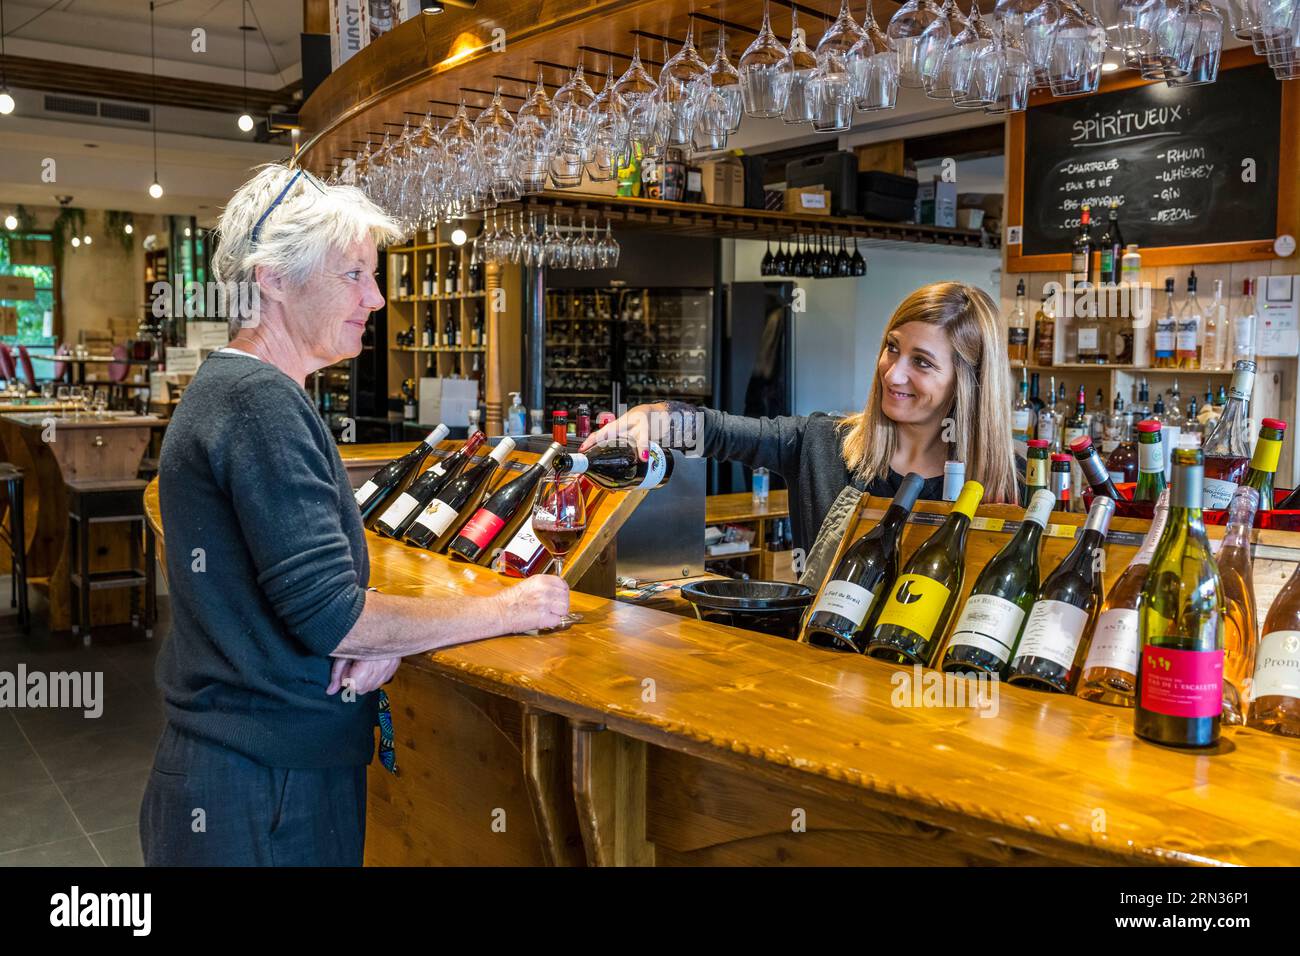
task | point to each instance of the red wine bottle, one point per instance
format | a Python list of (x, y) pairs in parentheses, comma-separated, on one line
[(449, 508), (619, 466), (398, 516), (501, 507), (1094, 469), (392, 479)]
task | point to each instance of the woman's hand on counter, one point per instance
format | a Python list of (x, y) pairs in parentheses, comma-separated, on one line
[(362, 676), (536, 602), (636, 426)]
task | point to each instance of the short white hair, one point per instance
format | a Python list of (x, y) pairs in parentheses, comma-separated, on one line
[(299, 232)]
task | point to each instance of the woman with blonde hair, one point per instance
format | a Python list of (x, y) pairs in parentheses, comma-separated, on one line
[(941, 394)]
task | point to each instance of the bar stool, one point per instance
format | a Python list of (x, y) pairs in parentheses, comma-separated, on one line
[(15, 538), (104, 502)]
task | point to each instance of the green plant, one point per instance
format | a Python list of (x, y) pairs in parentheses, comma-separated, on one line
[(70, 222), (26, 220), (115, 221)]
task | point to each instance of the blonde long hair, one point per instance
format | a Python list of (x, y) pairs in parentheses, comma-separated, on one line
[(982, 398)]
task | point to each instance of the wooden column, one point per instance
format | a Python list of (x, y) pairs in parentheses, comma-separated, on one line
[(492, 357), (315, 16), (546, 765), (609, 788)]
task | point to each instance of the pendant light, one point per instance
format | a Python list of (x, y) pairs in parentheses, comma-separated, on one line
[(155, 189), (6, 99), (245, 120)]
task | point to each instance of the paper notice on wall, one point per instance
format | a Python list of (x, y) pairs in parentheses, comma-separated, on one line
[(349, 29), (1277, 306)]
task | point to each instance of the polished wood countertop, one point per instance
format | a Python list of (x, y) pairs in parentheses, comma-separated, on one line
[(720, 509), (1045, 770)]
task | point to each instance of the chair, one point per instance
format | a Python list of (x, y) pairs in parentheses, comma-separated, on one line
[(61, 368), (118, 369), (99, 502), (25, 365), (7, 363), (14, 537)]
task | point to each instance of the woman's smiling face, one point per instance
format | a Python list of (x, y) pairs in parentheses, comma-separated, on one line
[(917, 371)]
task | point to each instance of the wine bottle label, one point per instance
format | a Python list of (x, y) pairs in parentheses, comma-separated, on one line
[(915, 603), (1070, 435), (1217, 493), (365, 491), (1116, 476), (1018, 336), (525, 544), (1088, 340), (1020, 421), (1036, 473), (1164, 340), (847, 600), (1151, 457), (655, 468), (1115, 641), (437, 517), (1053, 632), (1186, 341), (482, 528), (989, 623), (1277, 666), (1180, 683), (398, 511)]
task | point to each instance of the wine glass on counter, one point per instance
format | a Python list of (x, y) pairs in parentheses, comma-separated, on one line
[(559, 519)]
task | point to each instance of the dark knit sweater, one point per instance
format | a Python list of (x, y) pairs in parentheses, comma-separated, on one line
[(267, 569)]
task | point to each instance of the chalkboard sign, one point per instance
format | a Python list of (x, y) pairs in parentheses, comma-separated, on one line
[(1171, 157)]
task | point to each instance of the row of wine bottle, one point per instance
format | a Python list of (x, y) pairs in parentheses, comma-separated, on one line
[(448, 508), (1157, 643)]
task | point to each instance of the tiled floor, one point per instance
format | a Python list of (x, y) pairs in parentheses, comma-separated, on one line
[(70, 786)]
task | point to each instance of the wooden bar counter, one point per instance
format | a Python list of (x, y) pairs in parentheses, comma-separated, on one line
[(640, 737)]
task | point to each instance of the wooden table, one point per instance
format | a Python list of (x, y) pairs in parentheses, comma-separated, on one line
[(52, 451), (642, 737), (82, 361)]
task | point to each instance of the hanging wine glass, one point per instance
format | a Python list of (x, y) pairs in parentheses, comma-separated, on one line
[(1040, 24), (873, 64), (765, 267), (637, 88), (910, 33), (764, 85), (1009, 78), (1077, 48), (966, 50), (798, 66), (532, 140), (611, 130), (781, 261), (1174, 36), (1243, 18), (718, 100), (938, 81), (571, 125), (843, 264), (825, 259), (677, 86), (1207, 21), (859, 264), (1125, 34), (831, 86), (494, 130)]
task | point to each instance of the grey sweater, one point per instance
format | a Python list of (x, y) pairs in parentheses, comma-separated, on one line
[(267, 567), (805, 450)]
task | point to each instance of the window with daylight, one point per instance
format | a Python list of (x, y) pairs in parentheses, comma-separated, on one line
[(29, 255)]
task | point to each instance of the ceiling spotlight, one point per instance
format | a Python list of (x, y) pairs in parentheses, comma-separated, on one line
[(156, 190), (87, 240), (11, 221), (187, 232), (75, 242), (128, 228), (458, 236), (245, 122), (6, 102)]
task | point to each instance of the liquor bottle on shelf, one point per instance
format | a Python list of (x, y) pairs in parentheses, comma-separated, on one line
[(1052, 644), (427, 333), (1022, 417), (404, 279), (1018, 329), (1180, 622), (457, 500), (1243, 323), (449, 333), (989, 625), (480, 327), (1263, 463), (1191, 320), (1037, 470), (1090, 346), (1227, 446), (911, 625), (499, 511), (399, 516), (1192, 424), (846, 611), (1151, 462), (1131, 265), (475, 271), (1112, 249), (1044, 334), (426, 287), (1094, 471), (1166, 335), (392, 479), (1143, 409), (1076, 426), (1109, 674), (1081, 256), (1036, 402), (1060, 480), (1275, 688), (1049, 425), (1139, 306), (451, 281), (1239, 622), (1097, 418), (560, 425), (1215, 330), (617, 466)]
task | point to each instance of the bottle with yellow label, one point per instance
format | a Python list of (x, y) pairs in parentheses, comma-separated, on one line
[(1263, 464), (912, 623)]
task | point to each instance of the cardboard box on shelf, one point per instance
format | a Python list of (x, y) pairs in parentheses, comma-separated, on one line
[(723, 181), (814, 200), (447, 400), (881, 157), (936, 203)]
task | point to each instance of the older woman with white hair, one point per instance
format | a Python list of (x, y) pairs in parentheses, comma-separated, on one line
[(276, 647)]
